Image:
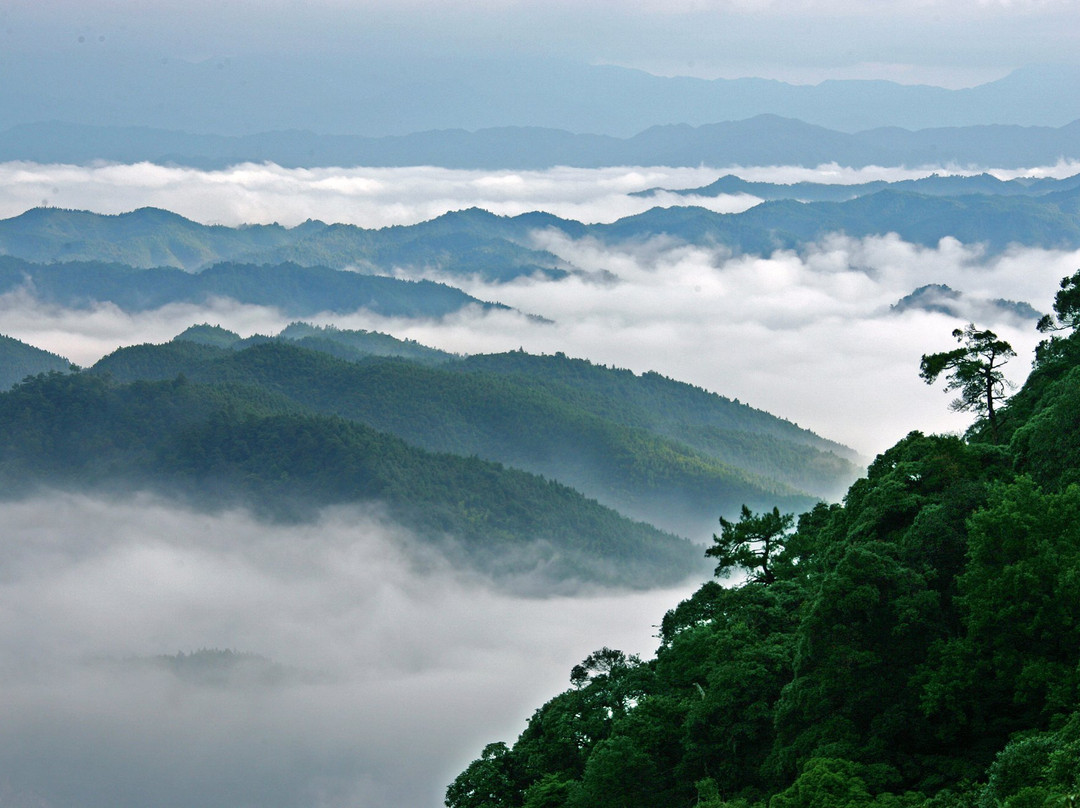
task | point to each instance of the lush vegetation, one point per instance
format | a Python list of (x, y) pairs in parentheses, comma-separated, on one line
[(652, 448), (19, 360), (917, 644), (228, 444)]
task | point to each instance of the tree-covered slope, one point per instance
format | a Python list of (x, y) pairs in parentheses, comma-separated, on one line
[(731, 431), (350, 344), (227, 444), (917, 644), (519, 420), (19, 360)]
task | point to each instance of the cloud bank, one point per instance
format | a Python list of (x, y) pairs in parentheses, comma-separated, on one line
[(396, 670), (380, 197)]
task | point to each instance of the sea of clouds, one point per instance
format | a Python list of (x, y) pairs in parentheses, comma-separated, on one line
[(391, 670), (398, 669)]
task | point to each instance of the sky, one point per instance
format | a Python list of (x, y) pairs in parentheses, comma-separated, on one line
[(952, 43)]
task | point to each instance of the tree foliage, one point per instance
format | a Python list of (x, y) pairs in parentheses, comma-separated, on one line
[(1066, 306), (974, 369), (752, 544), (923, 650)]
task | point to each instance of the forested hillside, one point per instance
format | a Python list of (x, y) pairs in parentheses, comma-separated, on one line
[(229, 444), (654, 449), (917, 644), (19, 360)]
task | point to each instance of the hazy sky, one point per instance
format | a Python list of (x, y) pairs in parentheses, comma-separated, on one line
[(945, 42)]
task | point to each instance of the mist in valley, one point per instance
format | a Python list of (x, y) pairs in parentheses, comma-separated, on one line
[(378, 670)]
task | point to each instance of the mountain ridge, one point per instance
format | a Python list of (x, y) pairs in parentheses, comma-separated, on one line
[(764, 139)]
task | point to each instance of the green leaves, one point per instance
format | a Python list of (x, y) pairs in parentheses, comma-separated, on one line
[(974, 369), (752, 544)]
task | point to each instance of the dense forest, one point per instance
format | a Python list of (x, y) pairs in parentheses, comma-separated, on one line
[(650, 447), (19, 360), (230, 444), (916, 644)]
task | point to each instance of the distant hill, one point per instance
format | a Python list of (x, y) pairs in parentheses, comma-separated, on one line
[(934, 185), (297, 291), (476, 242), (937, 297), (654, 449), (462, 243), (764, 139), (224, 445), (19, 360), (1049, 221)]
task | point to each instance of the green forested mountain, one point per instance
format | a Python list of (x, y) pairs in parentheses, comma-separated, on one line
[(19, 360), (499, 248), (461, 243), (917, 644), (340, 342), (655, 449), (296, 290), (228, 444)]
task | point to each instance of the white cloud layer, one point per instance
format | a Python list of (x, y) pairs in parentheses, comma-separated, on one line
[(398, 670), (379, 197)]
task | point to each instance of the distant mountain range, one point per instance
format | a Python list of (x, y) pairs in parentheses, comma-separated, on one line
[(934, 185), (765, 139), (296, 291), (471, 242), (375, 96)]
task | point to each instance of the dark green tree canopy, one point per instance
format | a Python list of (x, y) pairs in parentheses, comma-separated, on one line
[(751, 544), (1066, 306), (974, 369)]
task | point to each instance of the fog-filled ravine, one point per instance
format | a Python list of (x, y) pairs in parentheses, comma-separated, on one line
[(363, 670), (160, 650)]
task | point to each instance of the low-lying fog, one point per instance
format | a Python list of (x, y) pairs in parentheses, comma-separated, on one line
[(379, 197), (381, 673), (385, 673)]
